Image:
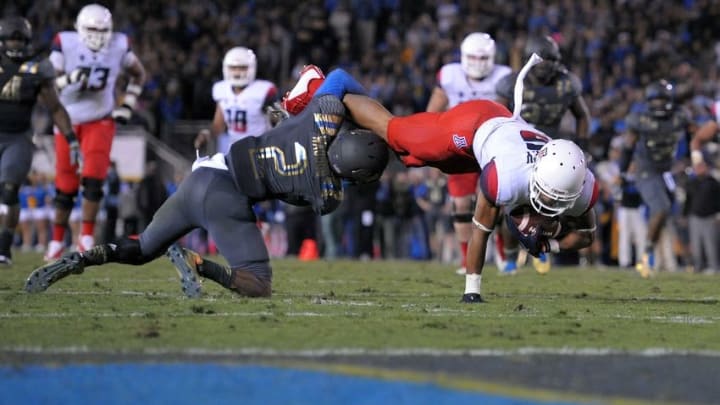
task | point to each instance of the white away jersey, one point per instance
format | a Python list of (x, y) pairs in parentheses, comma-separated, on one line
[(95, 99), (243, 112), (506, 149), (459, 88)]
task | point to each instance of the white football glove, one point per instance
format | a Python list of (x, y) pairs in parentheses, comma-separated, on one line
[(122, 114), (77, 75)]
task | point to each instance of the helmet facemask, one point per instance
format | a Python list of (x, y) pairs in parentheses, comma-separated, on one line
[(557, 177), (15, 37), (477, 55), (660, 98), (94, 25), (15, 48), (239, 67)]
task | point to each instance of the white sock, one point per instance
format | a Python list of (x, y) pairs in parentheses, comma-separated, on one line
[(472, 283)]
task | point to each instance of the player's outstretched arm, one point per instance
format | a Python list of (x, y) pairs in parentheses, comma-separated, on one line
[(484, 220), (216, 128), (61, 118), (438, 100), (49, 97), (368, 113), (583, 233)]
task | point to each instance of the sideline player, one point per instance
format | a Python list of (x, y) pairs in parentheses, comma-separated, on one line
[(241, 101), (474, 78), (88, 62), (25, 78), (475, 134), (650, 144), (303, 161)]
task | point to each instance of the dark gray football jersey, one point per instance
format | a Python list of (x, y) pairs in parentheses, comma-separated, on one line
[(543, 105), (20, 84), (290, 162), (657, 139)]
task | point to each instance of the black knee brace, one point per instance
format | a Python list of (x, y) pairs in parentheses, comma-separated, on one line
[(92, 189), (64, 200), (10, 194), (463, 217)]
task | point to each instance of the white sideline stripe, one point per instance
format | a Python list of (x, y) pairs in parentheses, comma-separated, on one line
[(7, 315), (350, 351)]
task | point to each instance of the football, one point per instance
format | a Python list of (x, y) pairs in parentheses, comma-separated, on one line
[(526, 221)]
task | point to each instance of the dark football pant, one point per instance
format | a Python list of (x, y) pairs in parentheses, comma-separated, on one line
[(208, 199)]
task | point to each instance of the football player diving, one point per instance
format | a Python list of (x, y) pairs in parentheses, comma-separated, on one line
[(519, 164)]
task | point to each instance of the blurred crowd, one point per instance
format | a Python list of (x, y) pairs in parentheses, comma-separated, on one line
[(396, 47)]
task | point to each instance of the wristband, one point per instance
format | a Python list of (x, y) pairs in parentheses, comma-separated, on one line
[(481, 226), (130, 100), (696, 157), (132, 91)]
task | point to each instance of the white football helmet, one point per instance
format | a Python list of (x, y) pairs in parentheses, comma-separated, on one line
[(94, 25), (239, 66), (477, 55), (557, 177)]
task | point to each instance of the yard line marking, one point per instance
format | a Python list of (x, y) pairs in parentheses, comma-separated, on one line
[(433, 312), (8, 315)]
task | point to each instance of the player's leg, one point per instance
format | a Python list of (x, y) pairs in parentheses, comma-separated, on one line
[(710, 241), (41, 226), (95, 145), (67, 183), (15, 163), (511, 249), (230, 220), (625, 234), (177, 216), (26, 229), (461, 189), (654, 194)]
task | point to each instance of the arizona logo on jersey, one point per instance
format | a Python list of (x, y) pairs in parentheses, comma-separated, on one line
[(460, 141)]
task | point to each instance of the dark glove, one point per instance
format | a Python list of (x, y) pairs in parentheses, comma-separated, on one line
[(535, 242), (122, 114), (74, 145)]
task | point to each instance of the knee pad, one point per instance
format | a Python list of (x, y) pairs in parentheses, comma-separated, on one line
[(465, 217), (92, 189), (10, 194), (64, 200), (462, 218)]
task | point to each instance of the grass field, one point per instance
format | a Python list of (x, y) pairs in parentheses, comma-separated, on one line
[(362, 305)]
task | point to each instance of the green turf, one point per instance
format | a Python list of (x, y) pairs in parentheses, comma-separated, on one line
[(372, 305)]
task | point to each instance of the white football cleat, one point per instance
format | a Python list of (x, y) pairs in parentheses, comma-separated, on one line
[(85, 243), (295, 100), (54, 251)]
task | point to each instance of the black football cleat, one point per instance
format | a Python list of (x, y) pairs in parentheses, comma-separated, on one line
[(45, 276), (186, 262), (472, 298)]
